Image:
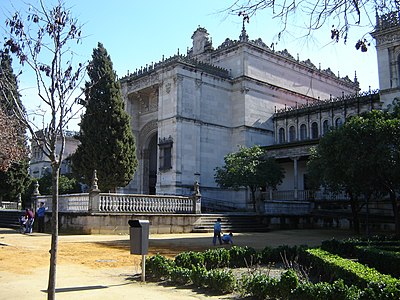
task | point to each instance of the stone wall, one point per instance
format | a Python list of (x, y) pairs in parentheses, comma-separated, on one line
[(100, 223)]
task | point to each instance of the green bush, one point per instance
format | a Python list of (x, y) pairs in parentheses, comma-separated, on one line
[(259, 286), (384, 261), (325, 291), (189, 259), (288, 282), (221, 281), (199, 276), (180, 276), (216, 258), (350, 271), (278, 254), (159, 267), (243, 257)]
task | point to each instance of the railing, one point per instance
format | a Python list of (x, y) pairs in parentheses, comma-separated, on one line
[(304, 195), (144, 203), (122, 203), (67, 203), (9, 205)]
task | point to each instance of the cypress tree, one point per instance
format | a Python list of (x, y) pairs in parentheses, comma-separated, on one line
[(107, 142), (15, 180)]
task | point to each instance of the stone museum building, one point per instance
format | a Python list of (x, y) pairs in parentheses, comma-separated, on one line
[(189, 110)]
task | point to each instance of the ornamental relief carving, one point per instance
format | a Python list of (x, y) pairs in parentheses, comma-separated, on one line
[(198, 82), (146, 130), (144, 82), (387, 39)]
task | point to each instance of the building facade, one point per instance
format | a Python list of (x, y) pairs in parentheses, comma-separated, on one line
[(189, 111), (40, 164)]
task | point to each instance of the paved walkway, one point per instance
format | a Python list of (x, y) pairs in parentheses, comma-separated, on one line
[(100, 266)]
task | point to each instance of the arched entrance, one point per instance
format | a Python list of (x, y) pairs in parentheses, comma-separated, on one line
[(152, 173)]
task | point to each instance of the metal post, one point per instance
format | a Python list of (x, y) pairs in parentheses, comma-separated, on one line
[(143, 268)]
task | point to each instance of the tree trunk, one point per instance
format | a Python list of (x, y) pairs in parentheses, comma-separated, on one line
[(396, 208), (51, 289), (354, 212)]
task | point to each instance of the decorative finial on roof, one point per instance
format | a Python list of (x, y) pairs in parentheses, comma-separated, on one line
[(243, 36), (355, 77)]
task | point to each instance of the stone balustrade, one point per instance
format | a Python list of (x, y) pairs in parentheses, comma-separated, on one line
[(122, 203), (144, 203)]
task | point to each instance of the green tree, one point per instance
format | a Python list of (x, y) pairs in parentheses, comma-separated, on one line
[(249, 167), (14, 175), (107, 142), (42, 41), (361, 158), (66, 185)]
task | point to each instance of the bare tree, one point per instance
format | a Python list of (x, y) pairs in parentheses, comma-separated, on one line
[(42, 41), (341, 15)]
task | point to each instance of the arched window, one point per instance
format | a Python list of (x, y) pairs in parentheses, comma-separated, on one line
[(303, 132), (314, 130), (325, 127), (281, 135), (292, 134), (338, 123)]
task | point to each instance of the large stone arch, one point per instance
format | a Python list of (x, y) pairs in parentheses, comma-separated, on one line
[(148, 138)]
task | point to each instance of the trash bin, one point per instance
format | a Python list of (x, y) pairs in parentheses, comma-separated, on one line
[(139, 236)]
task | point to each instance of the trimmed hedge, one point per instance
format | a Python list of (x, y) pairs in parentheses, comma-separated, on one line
[(375, 284), (387, 262)]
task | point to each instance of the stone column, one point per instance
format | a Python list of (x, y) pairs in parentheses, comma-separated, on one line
[(94, 195)]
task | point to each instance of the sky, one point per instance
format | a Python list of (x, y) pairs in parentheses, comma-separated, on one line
[(136, 33)]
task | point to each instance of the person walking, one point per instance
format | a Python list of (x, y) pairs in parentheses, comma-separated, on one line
[(217, 232), (40, 213)]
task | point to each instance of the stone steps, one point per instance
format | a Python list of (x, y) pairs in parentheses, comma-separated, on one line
[(10, 218), (231, 223)]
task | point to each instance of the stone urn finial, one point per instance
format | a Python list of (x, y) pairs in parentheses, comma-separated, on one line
[(95, 187), (36, 189)]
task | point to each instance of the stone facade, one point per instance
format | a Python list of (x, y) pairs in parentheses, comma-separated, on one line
[(40, 164), (189, 111)]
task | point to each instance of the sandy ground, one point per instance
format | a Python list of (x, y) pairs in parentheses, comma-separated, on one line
[(101, 266)]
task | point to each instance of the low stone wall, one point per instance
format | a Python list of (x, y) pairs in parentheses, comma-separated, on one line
[(103, 223)]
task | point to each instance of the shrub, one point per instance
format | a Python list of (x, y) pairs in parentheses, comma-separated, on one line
[(288, 282), (159, 267), (199, 276), (280, 253), (384, 261), (243, 256), (259, 286), (187, 259), (351, 272), (221, 281), (180, 276), (216, 258)]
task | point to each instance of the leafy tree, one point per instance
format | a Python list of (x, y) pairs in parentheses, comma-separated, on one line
[(361, 158), (67, 185), (249, 167), (107, 142), (344, 15), (41, 42)]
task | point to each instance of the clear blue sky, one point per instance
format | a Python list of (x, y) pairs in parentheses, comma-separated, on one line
[(136, 33)]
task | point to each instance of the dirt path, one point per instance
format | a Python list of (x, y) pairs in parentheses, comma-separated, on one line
[(101, 266)]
